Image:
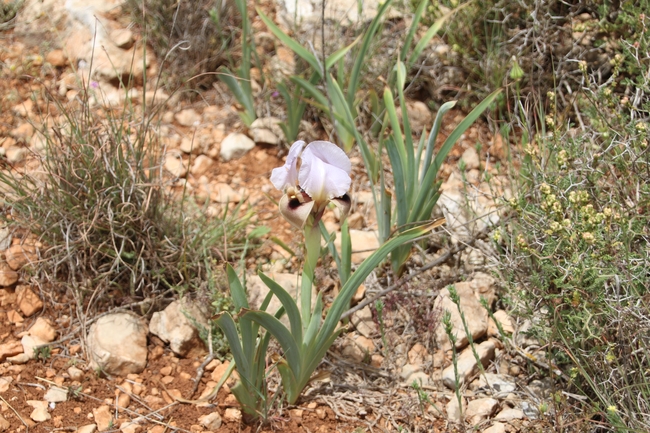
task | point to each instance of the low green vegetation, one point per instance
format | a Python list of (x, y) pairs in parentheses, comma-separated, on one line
[(239, 83), (575, 249), (115, 231), (578, 250)]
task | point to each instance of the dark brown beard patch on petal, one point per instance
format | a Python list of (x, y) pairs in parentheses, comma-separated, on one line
[(343, 203), (294, 203), (345, 198)]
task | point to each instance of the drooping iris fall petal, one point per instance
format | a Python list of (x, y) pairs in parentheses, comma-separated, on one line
[(343, 203), (294, 211)]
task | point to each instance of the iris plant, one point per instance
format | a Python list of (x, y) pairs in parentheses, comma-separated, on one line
[(314, 175)]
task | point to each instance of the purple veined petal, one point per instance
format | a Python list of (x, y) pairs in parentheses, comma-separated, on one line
[(324, 173), (287, 175)]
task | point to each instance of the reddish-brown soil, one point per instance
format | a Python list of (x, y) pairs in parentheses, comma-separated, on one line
[(91, 391)]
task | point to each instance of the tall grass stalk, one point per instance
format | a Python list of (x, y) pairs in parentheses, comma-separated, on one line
[(455, 298), (449, 330)]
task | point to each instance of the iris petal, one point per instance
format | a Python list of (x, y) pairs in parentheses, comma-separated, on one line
[(287, 175), (343, 203), (295, 212), (331, 154), (324, 172)]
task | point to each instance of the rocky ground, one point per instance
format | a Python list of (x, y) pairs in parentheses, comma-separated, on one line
[(118, 371)]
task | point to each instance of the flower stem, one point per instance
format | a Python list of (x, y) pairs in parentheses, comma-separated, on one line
[(312, 247)]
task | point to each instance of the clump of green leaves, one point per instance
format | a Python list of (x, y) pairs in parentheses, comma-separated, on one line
[(339, 96), (43, 353), (249, 347), (240, 83), (414, 165)]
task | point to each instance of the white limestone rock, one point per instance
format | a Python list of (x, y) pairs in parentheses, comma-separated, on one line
[(188, 117), (419, 116), (16, 154), (497, 427), (175, 165), (504, 320), (40, 412), (232, 415), (466, 209), (364, 323), (508, 414), (480, 409), (498, 385), (201, 165), (30, 344), (453, 410), (8, 276), (475, 315), (5, 238), (266, 130), (4, 424), (211, 421), (235, 145), (224, 193), (75, 373), (103, 418), (471, 159), (117, 344), (43, 330), (177, 325), (56, 394), (122, 38)]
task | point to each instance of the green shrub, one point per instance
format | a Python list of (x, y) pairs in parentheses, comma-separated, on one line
[(579, 247), (548, 40), (576, 249), (102, 204)]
